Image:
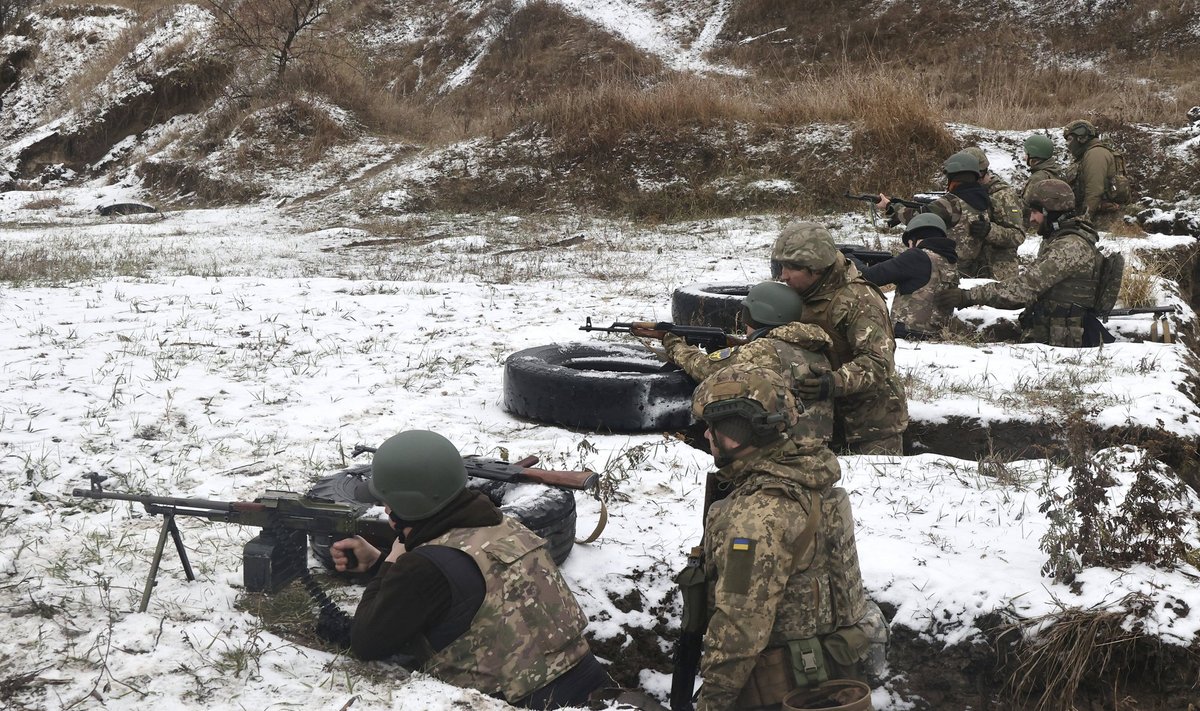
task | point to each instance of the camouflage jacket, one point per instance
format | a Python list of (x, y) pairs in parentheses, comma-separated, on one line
[(1090, 176), (529, 629), (958, 216), (771, 576), (871, 404), (1006, 215), (917, 310), (1061, 284), (795, 351)]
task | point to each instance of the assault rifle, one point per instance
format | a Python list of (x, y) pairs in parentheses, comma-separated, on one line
[(858, 254), (916, 202), (1156, 310), (686, 662), (711, 338), (520, 472)]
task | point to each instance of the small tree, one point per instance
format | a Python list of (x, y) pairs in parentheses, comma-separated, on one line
[(12, 12), (269, 28)]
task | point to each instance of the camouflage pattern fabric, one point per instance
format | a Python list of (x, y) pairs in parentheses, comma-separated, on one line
[(957, 215), (806, 244), (770, 579), (871, 404), (529, 629), (998, 255), (1056, 291), (794, 351), (1089, 177), (917, 311), (1039, 171)]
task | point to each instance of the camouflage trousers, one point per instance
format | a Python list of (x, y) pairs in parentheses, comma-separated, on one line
[(997, 263)]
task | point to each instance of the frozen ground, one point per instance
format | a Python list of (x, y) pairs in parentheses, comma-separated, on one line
[(233, 338)]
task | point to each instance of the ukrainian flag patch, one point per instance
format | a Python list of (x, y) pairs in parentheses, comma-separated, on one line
[(742, 544), (721, 354)]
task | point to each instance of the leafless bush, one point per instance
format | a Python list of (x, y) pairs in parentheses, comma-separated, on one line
[(272, 29)]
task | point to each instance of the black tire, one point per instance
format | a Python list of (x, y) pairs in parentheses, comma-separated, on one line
[(605, 387), (710, 305), (547, 511)]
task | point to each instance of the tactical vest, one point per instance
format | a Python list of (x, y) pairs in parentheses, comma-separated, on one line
[(529, 629), (1077, 292), (917, 311), (814, 428), (817, 311)]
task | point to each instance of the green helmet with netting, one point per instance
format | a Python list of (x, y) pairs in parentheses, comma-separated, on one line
[(1039, 146), (750, 405), (771, 303), (417, 473), (1052, 195), (805, 244), (980, 156), (962, 162), (1081, 129)]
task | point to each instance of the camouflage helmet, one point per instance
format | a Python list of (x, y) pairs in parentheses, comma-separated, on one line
[(926, 220), (417, 473), (1039, 146), (771, 303), (805, 244), (754, 394), (1052, 195), (979, 156), (962, 162), (1081, 129)]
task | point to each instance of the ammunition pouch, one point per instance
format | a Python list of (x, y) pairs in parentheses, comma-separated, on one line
[(1070, 325), (804, 663)]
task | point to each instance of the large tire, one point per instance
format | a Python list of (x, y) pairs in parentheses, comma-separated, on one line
[(710, 305), (547, 511), (604, 387)]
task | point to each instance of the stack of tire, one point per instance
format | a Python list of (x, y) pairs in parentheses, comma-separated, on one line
[(547, 511)]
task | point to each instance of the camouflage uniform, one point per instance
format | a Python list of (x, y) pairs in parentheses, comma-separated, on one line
[(998, 254), (1039, 171), (870, 407), (773, 578), (794, 351), (1089, 176), (529, 629), (917, 311), (958, 216), (1057, 291)]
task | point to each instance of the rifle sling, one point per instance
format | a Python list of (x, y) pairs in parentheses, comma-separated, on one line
[(600, 524)]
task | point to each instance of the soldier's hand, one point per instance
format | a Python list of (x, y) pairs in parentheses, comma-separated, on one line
[(883, 203), (364, 554), (952, 299), (979, 228), (398, 550), (822, 387)]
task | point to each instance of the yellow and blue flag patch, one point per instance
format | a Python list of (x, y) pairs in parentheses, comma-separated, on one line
[(721, 354), (742, 544)]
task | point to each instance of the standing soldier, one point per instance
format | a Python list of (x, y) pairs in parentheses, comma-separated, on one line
[(920, 273), (1039, 156), (964, 208), (785, 605), (778, 342), (870, 410), (998, 255), (1097, 175), (1059, 292)]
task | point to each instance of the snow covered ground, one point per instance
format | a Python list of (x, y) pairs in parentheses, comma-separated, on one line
[(245, 335)]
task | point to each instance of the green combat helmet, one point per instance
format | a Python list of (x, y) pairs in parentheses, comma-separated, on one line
[(417, 473), (805, 244), (962, 162), (925, 219), (979, 156), (1052, 195), (1081, 129), (771, 303), (1039, 146), (748, 403)]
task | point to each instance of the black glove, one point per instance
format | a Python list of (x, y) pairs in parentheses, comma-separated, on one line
[(979, 228), (952, 299), (821, 387)]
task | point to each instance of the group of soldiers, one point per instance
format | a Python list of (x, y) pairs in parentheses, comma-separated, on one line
[(476, 600), (975, 228)]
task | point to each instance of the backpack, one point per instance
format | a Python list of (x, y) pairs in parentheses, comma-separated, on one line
[(1116, 187), (1108, 282)]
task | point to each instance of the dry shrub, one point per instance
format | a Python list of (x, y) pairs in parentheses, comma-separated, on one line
[(1074, 648), (1139, 284), (45, 203)]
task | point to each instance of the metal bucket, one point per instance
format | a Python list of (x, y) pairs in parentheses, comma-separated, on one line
[(833, 695)]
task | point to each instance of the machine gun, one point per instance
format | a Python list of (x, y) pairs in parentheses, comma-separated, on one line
[(711, 338), (1160, 327)]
